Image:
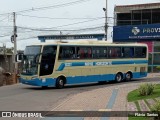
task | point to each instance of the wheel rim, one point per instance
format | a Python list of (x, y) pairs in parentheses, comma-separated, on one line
[(128, 76), (119, 77), (60, 82)]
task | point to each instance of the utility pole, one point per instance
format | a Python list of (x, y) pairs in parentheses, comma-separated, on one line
[(15, 44), (60, 36), (106, 22), (5, 58)]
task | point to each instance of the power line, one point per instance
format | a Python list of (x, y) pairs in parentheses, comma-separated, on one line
[(53, 6), (59, 29), (56, 18), (49, 7), (65, 30), (4, 35), (3, 19), (47, 29), (76, 23)]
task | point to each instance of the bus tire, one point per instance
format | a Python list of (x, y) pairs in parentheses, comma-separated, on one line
[(128, 76), (101, 82), (118, 77), (59, 83), (44, 87)]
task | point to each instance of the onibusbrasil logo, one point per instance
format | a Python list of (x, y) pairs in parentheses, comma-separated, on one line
[(135, 30)]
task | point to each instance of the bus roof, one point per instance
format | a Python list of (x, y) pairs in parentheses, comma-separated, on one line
[(89, 42)]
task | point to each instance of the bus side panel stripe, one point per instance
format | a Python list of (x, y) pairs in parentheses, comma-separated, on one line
[(96, 78), (74, 64), (91, 78), (61, 67)]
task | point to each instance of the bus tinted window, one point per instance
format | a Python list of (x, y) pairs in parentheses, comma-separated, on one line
[(128, 52), (84, 52), (99, 52), (67, 52), (114, 52), (140, 52), (48, 60)]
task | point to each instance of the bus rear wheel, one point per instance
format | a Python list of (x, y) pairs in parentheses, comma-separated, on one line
[(59, 83), (128, 76), (118, 77)]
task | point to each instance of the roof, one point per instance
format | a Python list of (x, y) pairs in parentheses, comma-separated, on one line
[(87, 42), (128, 8), (140, 5), (8, 54)]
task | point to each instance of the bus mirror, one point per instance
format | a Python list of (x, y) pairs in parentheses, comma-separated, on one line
[(19, 57)]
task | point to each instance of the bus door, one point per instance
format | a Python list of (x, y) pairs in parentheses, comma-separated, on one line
[(47, 60)]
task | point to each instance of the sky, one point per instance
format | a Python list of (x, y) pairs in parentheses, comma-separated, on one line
[(67, 16)]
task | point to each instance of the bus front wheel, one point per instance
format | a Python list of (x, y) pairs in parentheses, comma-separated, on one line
[(59, 83), (118, 77)]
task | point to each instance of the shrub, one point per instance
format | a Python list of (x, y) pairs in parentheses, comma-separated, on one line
[(156, 108), (158, 67), (146, 89)]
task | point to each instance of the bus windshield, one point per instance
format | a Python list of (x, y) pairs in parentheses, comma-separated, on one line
[(31, 58)]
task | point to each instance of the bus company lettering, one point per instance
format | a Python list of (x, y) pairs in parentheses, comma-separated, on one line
[(89, 64), (103, 63), (68, 64)]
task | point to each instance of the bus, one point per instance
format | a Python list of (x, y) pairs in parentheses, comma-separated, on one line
[(63, 63)]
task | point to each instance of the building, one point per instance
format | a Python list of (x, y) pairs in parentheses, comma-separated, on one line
[(137, 14), (6, 61), (140, 23)]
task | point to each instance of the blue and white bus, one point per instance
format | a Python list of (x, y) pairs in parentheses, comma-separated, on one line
[(63, 63)]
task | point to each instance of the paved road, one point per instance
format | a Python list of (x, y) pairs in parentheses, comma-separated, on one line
[(28, 98)]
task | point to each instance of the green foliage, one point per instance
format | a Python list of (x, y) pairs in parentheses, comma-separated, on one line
[(138, 118), (156, 108), (134, 95), (146, 89), (158, 67), (137, 106)]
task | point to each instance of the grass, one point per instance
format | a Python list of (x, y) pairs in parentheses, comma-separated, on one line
[(137, 106), (134, 95), (149, 106), (155, 99), (138, 118)]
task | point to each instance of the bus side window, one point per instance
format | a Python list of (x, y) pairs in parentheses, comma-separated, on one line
[(128, 52), (140, 52), (144, 52), (84, 52), (89, 53), (132, 52), (114, 52), (81, 53), (67, 52)]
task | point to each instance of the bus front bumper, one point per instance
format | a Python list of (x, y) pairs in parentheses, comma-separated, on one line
[(38, 82)]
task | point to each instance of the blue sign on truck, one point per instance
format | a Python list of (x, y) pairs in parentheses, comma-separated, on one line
[(130, 33)]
